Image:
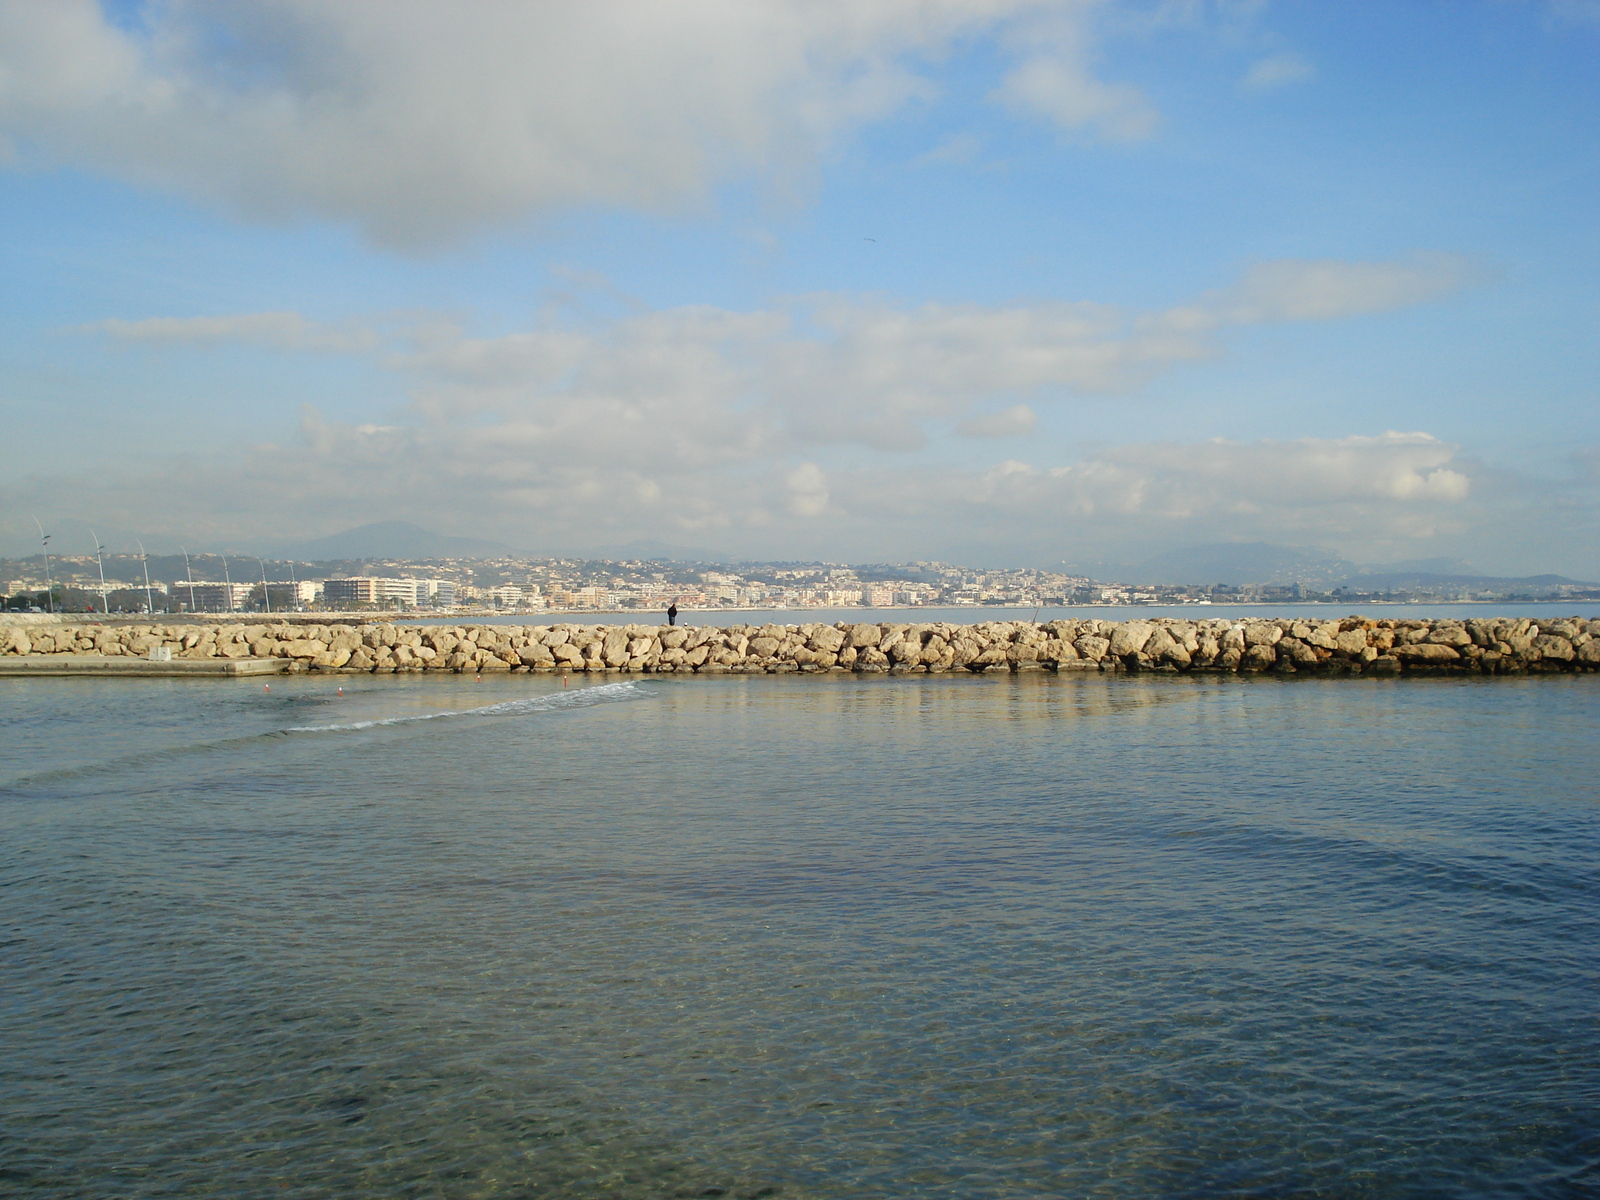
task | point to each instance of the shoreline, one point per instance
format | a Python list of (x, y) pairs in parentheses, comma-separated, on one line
[(1352, 645)]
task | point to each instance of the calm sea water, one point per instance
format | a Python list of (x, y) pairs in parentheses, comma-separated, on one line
[(800, 937)]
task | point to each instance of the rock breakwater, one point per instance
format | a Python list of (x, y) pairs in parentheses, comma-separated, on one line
[(1351, 646)]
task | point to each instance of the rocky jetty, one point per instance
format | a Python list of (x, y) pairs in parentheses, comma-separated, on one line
[(1352, 646)]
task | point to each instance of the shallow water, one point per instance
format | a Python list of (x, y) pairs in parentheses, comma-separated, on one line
[(954, 936)]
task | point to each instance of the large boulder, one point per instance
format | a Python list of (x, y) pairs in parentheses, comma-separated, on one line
[(1130, 638), (1553, 646), (1092, 648), (1427, 653), (1262, 633)]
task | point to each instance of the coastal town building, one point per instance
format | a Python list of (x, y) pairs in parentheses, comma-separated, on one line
[(384, 591), (206, 596)]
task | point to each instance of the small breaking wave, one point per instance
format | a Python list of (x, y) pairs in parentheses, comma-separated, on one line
[(578, 698), (586, 697)]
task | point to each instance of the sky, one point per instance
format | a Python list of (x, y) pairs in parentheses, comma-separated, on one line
[(1001, 282)]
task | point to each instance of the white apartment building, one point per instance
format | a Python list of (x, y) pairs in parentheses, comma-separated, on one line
[(198, 596), (296, 593), (373, 589)]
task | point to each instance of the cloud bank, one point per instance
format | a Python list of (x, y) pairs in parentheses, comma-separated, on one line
[(826, 425), (419, 126)]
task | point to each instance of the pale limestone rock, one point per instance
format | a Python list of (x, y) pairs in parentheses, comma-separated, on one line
[(827, 639), (614, 649), (1293, 650), (1553, 646), (1261, 633), (1260, 657), (1091, 647), (536, 654), (862, 636), (1351, 642), (1427, 652), (906, 650), (1325, 635), (1130, 637), (1057, 650)]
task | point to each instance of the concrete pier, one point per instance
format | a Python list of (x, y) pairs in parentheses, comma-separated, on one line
[(98, 665)]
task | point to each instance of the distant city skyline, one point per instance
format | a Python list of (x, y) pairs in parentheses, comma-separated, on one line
[(1003, 282)]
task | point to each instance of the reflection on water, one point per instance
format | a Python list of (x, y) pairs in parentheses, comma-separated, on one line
[(831, 936)]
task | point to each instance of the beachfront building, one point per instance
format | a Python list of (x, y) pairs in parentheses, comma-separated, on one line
[(282, 596), (198, 596), (378, 591)]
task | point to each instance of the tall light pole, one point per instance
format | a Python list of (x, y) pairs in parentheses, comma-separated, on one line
[(44, 548), (188, 574), (100, 562), (227, 579), (266, 593), (149, 600)]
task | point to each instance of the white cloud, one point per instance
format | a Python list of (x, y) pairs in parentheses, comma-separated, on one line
[(279, 330), (419, 123), (1277, 71), (1053, 80), (1322, 290), (702, 421), (1015, 421), (808, 490)]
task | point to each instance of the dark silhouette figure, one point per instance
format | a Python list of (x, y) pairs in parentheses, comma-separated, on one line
[(672, 614)]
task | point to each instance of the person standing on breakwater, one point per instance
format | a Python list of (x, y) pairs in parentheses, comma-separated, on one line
[(672, 614)]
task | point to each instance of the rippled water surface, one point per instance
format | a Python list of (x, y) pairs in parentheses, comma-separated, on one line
[(800, 937)]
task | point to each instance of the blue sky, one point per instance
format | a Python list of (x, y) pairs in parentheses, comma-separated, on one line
[(984, 280)]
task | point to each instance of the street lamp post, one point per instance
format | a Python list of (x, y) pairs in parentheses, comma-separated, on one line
[(266, 592), (228, 579), (100, 562), (44, 547), (188, 574), (149, 600)]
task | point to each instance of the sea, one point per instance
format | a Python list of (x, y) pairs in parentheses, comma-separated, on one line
[(960, 936)]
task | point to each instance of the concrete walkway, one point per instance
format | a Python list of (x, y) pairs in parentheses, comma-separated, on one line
[(55, 665)]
